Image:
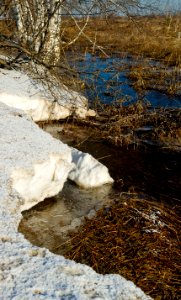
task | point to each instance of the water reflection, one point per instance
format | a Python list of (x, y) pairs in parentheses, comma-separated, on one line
[(107, 79), (48, 223)]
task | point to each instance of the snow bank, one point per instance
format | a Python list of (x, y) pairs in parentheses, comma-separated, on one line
[(36, 172), (30, 169), (40, 99)]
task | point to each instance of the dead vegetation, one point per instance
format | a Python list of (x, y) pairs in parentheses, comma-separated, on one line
[(157, 37), (132, 125), (160, 78), (148, 39), (136, 238), (138, 125)]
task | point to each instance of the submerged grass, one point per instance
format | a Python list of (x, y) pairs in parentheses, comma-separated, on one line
[(136, 238), (138, 125)]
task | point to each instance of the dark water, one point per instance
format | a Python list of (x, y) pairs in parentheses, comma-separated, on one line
[(150, 171), (106, 79), (145, 169)]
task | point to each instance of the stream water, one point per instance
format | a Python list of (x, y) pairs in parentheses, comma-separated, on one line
[(146, 171)]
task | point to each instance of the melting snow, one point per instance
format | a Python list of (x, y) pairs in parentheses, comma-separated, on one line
[(40, 100), (33, 165)]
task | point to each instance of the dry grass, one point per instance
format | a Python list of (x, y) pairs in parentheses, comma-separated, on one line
[(156, 37), (135, 124), (163, 127), (135, 238), (6, 27), (163, 79), (151, 36)]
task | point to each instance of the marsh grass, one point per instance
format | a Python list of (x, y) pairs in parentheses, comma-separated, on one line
[(148, 39), (154, 36), (136, 238), (133, 125)]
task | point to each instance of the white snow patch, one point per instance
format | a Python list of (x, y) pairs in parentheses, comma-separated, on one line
[(40, 100), (88, 172), (45, 180)]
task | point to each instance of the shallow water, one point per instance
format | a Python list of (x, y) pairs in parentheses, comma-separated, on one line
[(48, 223), (106, 79), (151, 171)]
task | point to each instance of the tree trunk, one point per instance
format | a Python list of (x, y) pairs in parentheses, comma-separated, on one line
[(38, 26)]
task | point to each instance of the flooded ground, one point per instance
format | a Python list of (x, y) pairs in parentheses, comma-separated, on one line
[(125, 80)]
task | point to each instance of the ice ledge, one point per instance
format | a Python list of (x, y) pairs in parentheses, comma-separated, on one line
[(44, 180), (37, 165)]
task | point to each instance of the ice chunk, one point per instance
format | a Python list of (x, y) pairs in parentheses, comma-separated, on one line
[(88, 172)]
